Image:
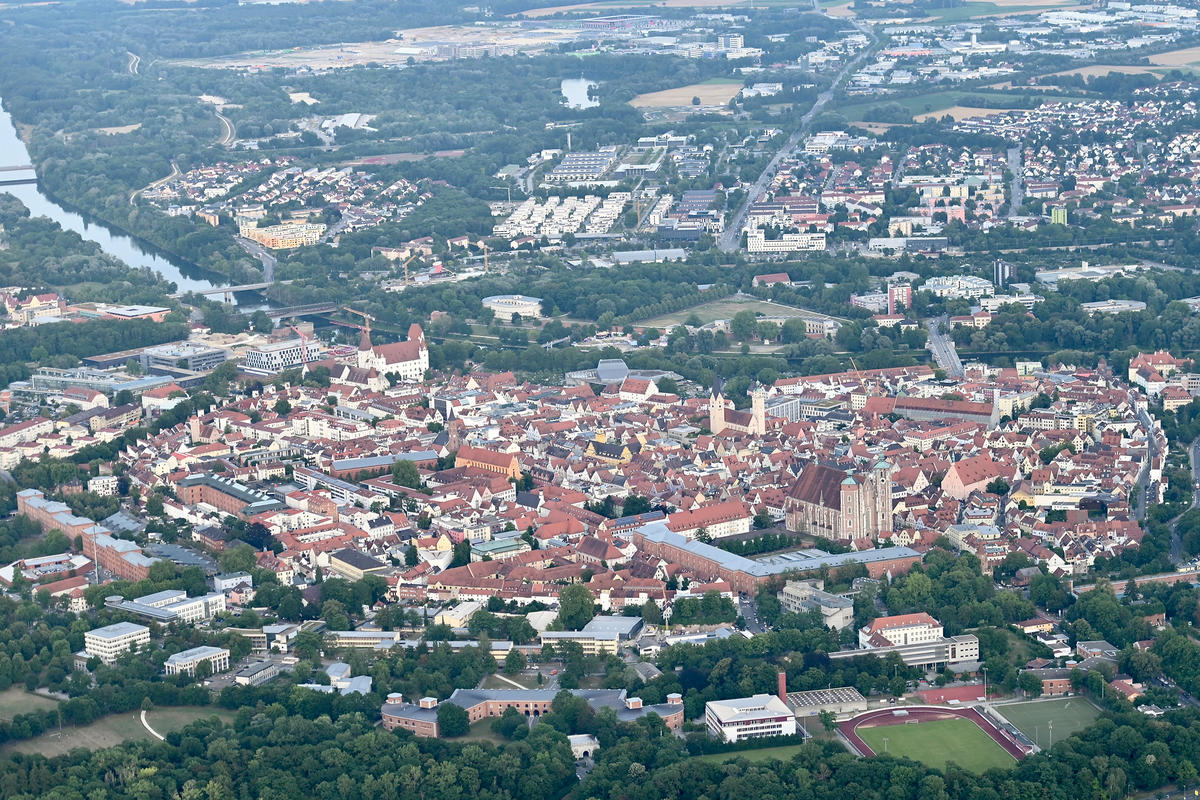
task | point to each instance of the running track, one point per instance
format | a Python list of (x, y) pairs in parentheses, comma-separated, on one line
[(886, 716)]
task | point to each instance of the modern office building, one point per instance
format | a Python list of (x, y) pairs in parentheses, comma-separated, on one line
[(749, 718), (110, 641), (188, 660), (182, 355)]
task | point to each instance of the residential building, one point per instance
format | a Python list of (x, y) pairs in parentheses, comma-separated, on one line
[(801, 597)]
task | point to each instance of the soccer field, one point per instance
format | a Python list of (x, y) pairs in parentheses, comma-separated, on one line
[(1069, 715), (939, 742)]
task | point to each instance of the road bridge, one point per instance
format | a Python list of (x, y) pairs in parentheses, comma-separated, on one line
[(228, 291)]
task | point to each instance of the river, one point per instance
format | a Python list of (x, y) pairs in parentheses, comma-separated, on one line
[(13, 153)]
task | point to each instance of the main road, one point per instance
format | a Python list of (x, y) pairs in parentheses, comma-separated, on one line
[(1017, 189), (731, 236), (942, 346), (262, 254)]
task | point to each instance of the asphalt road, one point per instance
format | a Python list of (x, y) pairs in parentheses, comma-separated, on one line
[(1176, 539), (749, 611), (1017, 190), (228, 132), (730, 237), (262, 254), (942, 347)]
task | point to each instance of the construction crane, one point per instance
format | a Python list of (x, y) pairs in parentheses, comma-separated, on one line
[(303, 349), (486, 249), (367, 318), (406, 263), (857, 374)]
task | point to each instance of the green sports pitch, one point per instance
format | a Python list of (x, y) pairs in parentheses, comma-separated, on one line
[(938, 743), (1069, 715)]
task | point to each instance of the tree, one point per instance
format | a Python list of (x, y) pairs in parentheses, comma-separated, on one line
[(510, 723), (514, 662), (154, 505), (744, 326), (241, 558), (283, 407), (261, 322), (452, 720), (576, 607), (828, 720), (1030, 684), (411, 556), (696, 100), (405, 473), (651, 613), (998, 486), (462, 554)]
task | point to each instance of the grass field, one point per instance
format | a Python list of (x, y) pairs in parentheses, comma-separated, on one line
[(938, 743), (1070, 715), (18, 701), (113, 730), (717, 91), (765, 754), (720, 309), (482, 732), (498, 682)]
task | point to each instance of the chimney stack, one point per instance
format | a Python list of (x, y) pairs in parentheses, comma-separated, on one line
[(783, 688)]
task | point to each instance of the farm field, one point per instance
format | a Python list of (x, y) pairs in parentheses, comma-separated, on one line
[(1070, 715), (1103, 69), (615, 4), (1006, 7), (939, 742), (1177, 58), (717, 91), (960, 113), (720, 309), (18, 701), (938, 104), (112, 730)]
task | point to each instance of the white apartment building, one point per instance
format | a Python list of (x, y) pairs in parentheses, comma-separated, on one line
[(749, 718), (903, 629), (110, 641), (103, 485), (959, 286), (187, 661), (757, 242), (282, 355)]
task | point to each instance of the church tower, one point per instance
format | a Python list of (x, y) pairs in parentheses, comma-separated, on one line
[(758, 410), (365, 355), (716, 405), (881, 498)]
